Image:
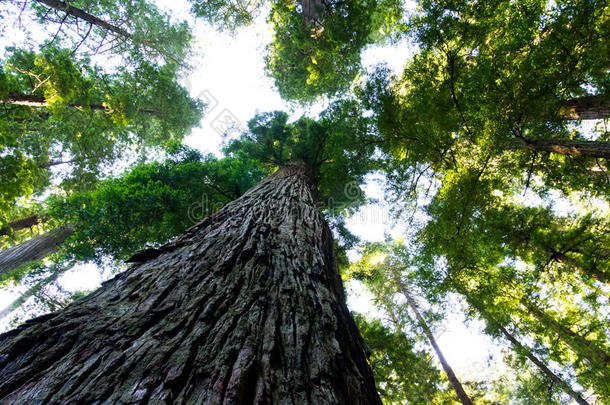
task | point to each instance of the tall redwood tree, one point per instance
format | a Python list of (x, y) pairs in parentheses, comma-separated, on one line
[(246, 306)]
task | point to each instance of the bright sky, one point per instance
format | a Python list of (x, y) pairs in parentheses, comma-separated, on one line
[(230, 76)]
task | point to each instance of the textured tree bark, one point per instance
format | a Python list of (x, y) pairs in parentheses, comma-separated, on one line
[(455, 382), (586, 108), (245, 307), (23, 223), (593, 149), (34, 249)]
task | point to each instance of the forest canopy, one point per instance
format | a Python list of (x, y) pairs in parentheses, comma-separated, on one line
[(490, 145)]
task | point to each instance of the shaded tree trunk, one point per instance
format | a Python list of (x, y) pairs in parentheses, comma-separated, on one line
[(23, 223), (586, 108), (592, 149), (313, 11), (455, 382), (34, 249), (245, 307), (40, 102)]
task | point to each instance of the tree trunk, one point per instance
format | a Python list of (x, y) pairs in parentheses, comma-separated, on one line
[(23, 223), (575, 341), (455, 382), (40, 102), (34, 249), (519, 348), (245, 307), (545, 370), (586, 108), (593, 149), (83, 15)]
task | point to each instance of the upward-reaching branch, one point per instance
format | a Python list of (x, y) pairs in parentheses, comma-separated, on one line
[(83, 15)]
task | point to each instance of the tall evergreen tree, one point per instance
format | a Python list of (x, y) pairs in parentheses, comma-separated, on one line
[(252, 297)]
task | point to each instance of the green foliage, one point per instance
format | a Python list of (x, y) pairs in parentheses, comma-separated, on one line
[(317, 52), (324, 145), (227, 14), (85, 118), (488, 76), (525, 264), (150, 203)]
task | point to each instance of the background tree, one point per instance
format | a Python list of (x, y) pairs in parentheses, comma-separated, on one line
[(135, 30), (384, 279), (541, 296), (392, 269), (58, 111), (403, 373)]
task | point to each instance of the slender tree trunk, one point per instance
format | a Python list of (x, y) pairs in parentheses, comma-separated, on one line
[(545, 370), (455, 382), (31, 291), (23, 223), (83, 15), (40, 102), (245, 307), (586, 108), (593, 149), (524, 350), (577, 342), (34, 249)]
